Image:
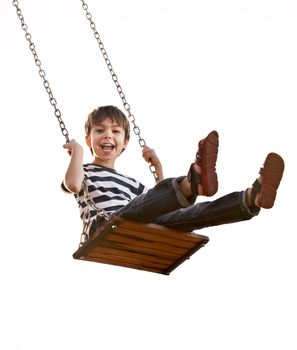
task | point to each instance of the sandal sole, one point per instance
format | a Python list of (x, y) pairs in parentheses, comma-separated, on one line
[(272, 174), (209, 158)]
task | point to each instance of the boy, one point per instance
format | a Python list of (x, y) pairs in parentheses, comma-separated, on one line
[(171, 202)]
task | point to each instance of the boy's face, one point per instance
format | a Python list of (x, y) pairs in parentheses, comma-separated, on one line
[(107, 141)]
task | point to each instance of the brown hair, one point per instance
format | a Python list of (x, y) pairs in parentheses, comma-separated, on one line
[(108, 112)]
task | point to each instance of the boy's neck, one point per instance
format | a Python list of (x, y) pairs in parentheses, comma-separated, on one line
[(105, 164)]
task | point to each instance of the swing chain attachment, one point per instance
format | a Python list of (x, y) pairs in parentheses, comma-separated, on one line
[(42, 74), (126, 105), (91, 206)]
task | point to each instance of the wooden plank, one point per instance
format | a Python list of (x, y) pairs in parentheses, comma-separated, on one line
[(162, 249), (132, 255), (135, 259), (129, 264), (135, 226), (154, 236), (140, 246)]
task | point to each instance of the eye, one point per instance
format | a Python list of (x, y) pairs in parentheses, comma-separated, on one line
[(99, 131), (116, 131)]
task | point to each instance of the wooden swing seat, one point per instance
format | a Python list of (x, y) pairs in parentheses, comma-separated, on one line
[(132, 244)]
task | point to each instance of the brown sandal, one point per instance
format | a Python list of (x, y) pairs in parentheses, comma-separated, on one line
[(271, 173), (206, 158)]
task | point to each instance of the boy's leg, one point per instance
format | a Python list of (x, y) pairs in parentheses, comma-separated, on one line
[(227, 209), (234, 207), (165, 197), (172, 194)]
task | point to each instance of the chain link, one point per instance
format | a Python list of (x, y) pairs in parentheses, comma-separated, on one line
[(126, 105), (42, 74)]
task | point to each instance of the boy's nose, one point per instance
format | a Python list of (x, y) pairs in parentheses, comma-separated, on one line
[(107, 135)]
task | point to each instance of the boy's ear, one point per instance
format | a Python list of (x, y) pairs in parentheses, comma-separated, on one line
[(88, 141), (125, 144)]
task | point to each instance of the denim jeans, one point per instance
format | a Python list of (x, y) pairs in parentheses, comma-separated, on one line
[(166, 205)]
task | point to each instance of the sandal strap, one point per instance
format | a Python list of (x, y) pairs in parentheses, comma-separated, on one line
[(256, 188), (198, 157), (194, 178)]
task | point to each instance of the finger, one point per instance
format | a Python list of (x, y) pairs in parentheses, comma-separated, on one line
[(150, 152)]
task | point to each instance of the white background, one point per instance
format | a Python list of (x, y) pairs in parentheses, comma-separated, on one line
[(187, 67)]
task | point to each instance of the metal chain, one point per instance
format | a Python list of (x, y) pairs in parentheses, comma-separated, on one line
[(42, 74), (87, 215), (86, 197), (126, 105)]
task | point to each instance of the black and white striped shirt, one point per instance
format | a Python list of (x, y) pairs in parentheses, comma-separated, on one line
[(108, 189)]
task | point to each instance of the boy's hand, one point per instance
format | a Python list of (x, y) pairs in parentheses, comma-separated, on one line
[(72, 146), (150, 156)]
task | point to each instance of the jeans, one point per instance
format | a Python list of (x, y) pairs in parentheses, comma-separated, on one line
[(166, 205)]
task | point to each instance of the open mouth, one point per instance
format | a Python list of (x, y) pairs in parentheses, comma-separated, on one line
[(107, 146)]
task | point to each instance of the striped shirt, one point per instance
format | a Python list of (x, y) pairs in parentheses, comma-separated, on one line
[(108, 189)]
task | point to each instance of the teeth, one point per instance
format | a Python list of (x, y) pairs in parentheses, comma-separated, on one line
[(106, 146)]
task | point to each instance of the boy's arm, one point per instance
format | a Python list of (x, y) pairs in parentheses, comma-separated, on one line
[(150, 156), (75, 173)]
